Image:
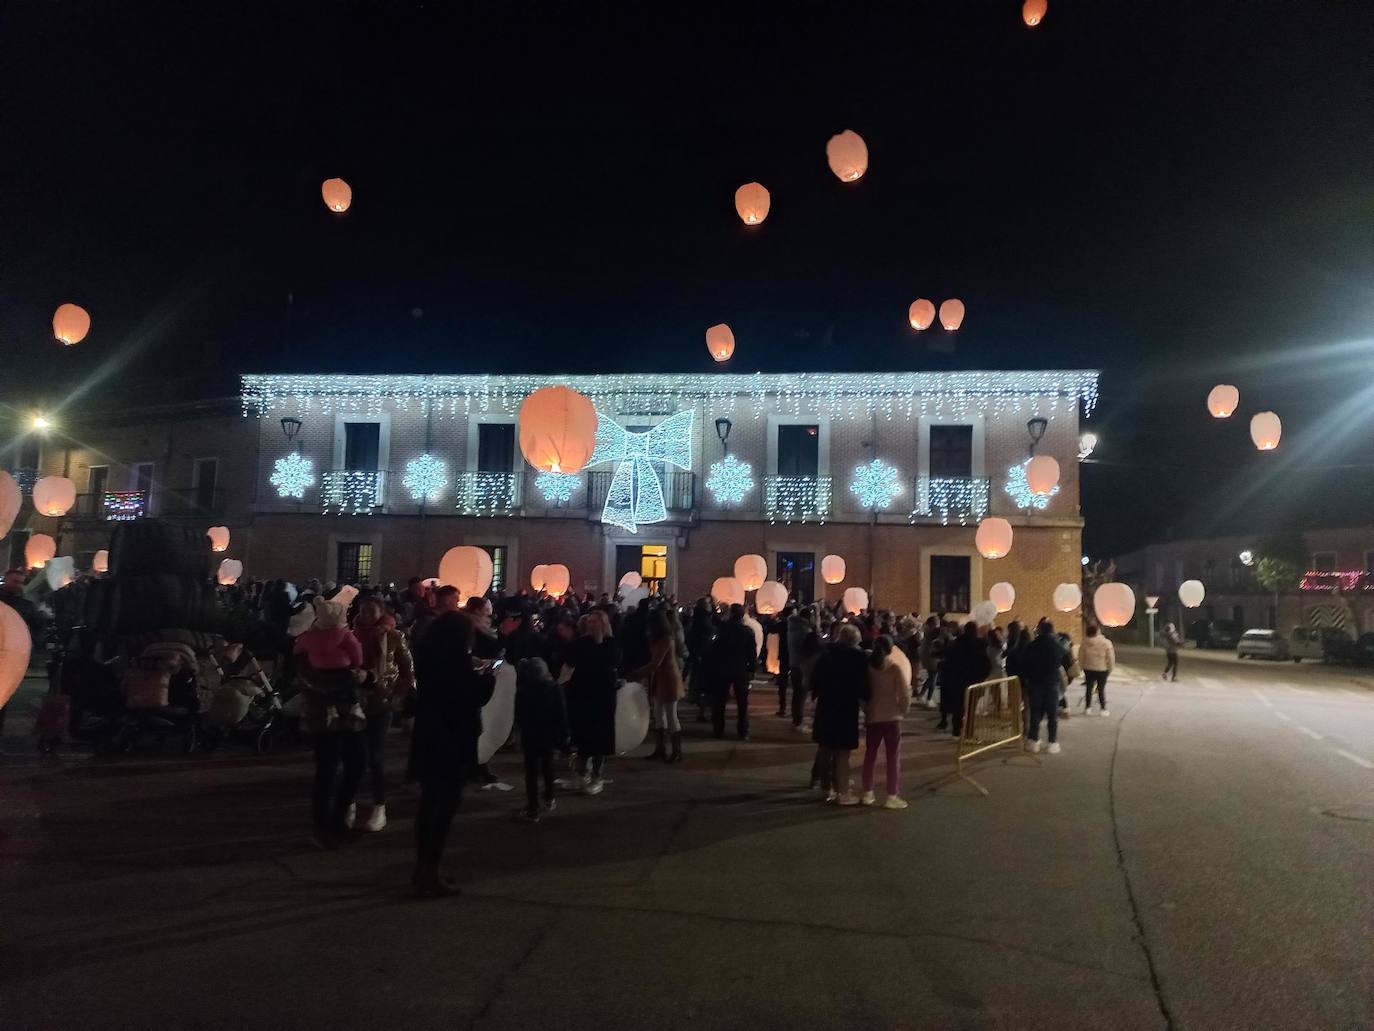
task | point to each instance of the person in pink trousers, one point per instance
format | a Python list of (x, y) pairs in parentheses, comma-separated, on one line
[(889, 698)]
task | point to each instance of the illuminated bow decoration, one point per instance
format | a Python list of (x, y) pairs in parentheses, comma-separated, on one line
[(635, 495)]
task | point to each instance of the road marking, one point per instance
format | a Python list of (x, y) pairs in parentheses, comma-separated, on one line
[(1295, 690), (1283, 716), (1211, 682), (1310, 733), (1355, 759), (1264, 701)]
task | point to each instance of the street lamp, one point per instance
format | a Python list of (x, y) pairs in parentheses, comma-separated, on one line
[(1036, 428), (290, 425), (723, 426), (41, 423)]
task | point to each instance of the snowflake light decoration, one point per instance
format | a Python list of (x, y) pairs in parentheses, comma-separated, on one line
[(730, 480), (557, 488), (425, 478), (292, 474), (875, 484), (1019, 489)]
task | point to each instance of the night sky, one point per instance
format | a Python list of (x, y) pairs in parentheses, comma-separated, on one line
[(1175, 193)]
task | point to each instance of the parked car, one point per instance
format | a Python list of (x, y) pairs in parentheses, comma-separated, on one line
[(1325, 643), (1262, 644), (1214, 633), (1362, 654)]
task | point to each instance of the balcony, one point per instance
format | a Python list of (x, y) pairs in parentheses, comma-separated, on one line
[(797, 499), (26, 478), (963, 499), (113, 506), (679, 491), (352, 491), (489, 494)]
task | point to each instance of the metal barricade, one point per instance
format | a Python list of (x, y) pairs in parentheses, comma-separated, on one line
[(992, 719)]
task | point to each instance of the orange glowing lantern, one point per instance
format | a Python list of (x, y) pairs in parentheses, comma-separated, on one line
[(38, 549), (467, 568), (726, 590), (771, 599), (557, 581), (557, 430), (752, 202), (71, 323), (952, 314), (100, 561), (1265, 430), (848, 155), (1033, 12), (832, 569), (751, 571), (1223, 400), (921, 314), (338, 195), (854, 599), (1042, 474), (219, 538), (539, 577), (1114, 604), (15, 646), (720, 342), (1003, 595), (993, 538), (54, 495)]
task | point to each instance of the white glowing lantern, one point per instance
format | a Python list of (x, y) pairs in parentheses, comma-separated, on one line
[(726, 590), (38, 549), (54, 495), (993, 538), (854, 599), (15, 646), (984, 613), (1003, 595), (832, 569), (467, 568), (952, 314), (229, 572), (219, 538), (1223, 400), (1191, 593), (631, 580), (558, 581), (11, 500), (771, 599), (100, 561), (1067, 597), (539, 577), (751, 571), (848, 155), (1265, 430), (60, 572), (1114, 604), (752, 203)]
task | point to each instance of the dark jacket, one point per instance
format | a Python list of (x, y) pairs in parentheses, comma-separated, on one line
[(448, 710), (591, 695), (965, 662), (540, 710), (840, 684), (733, 655), (1039, 663)]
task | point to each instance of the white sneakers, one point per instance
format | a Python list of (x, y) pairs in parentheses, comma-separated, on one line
[(893, 802), (1087, 712), (376, 820), (868, 798), (595, 787), (1105, 712), (1054, 748), (1033, 746)]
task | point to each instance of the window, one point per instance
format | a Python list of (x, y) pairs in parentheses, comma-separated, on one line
[(142, 478), (951, 452), (355, 562), (797, 572), (97, 482), (362, 446), (19, 540), (1324, 561), (799, 449), (495, 447), (498, 565), (204, 477), (949, 583)]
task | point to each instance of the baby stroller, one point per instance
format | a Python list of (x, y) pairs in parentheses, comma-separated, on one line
[(161, 696), (244, 703)]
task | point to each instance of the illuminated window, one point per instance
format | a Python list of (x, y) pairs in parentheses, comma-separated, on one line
[(355, 562), (498, 566), (653, 566)]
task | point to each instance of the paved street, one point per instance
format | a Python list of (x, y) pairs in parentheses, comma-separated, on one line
[(1199, 859)]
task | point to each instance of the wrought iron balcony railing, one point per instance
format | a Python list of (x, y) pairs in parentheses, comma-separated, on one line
[(797, 499), (679, 490), (963, 499), (113, 506), (26, 478), (352, 491), (489, 494)]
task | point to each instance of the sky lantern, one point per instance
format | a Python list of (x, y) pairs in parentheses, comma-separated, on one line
[(1067, 597), (1191, 593), (848, 155), (558, 580), (11, 500), (771, 599), (1265, 430), (71, 323), (720, 342), (1114, 604), (100, 561), (726, 590), (993, 537), (984, 613), (60, 572), (631, 580), (1223, 400), (229, 572), (539, 577), (751, 571), (854, 599), (1042, 475), (54, 495), (1003, 595), (219, 538), (337, 194), (466, 568), (832, 569), (557, 430), (921, 314), (952, 314), (38, 549), (1033, 12), (15, 645), (752, 202)]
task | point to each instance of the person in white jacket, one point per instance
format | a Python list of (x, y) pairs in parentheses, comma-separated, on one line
[(889, 698), (1098, 658)]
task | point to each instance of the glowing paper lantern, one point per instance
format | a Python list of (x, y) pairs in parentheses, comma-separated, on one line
[(466, 568), (100, 561), (631, 597), (558, 581), (1042, 475), (231, 569), (557, 430), (539, 576), (39, 548), (1265, 430), (1191, 593), (1223, 400), (54, 495), (921, 314), (952, 314), (984, 613), (631, 580), (726, 590), (720, 342), (1033, 11), (1067, 597), (11, 500), (1114, 604), (71, 323), (993, 538), (337, 194), (219, 538), (1002, 595), (771, 599), (854, 599), (848, 155), (60, 572), (15, 645), (751, 571), (752, 203), (832, 569)]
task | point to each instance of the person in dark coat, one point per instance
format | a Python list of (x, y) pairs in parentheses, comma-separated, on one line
[(1039, 669), (448, 722), (731, 662), (542, 716), (965, 662), (699, 636), (840, 684), (595, 662)]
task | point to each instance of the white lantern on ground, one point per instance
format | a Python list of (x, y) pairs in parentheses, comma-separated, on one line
[(1067, 597), (855, 599), (54, 495), (984, 613), (751, 571), (631, 580), (219, 538), (832, 569), (726, 590), (1042, 475), (11, 500), (993, 537), (229, 572), (467, 568), (15, 646), (1002, 595), (1114, 604), (100, 562), (1265, 430), (1191, 593), (1223, 400), (771, 599), (559, 580), (38, 549)]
